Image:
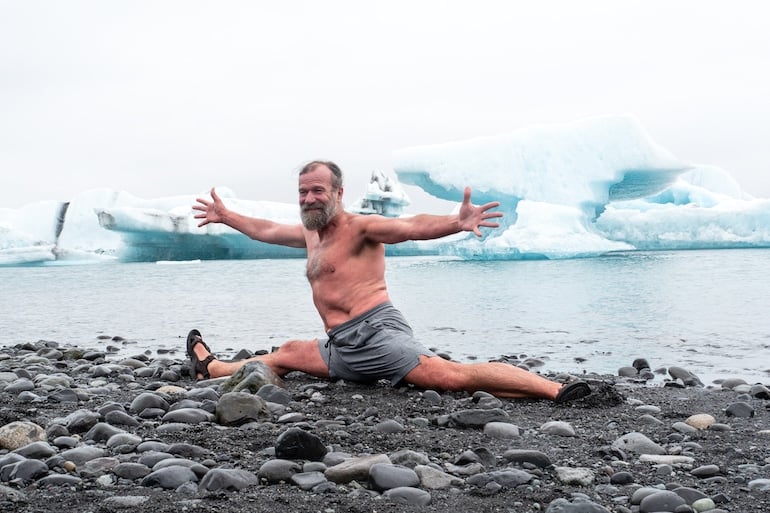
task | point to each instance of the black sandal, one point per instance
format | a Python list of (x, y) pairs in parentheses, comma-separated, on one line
[(198, 366), (572, 391)]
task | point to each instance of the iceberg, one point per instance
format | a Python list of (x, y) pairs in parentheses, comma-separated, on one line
[(575, 190), (585, 189)]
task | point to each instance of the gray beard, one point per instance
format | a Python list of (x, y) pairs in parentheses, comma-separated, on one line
[(314, 219)]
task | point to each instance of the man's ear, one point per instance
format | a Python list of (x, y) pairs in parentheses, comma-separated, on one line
[(339, 193)]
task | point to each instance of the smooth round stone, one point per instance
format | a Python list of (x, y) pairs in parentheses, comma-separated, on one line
[(705, 471), (579, 505), (152, 445), (80, 455), (171, 390), (762, 485), (185, 450), (152, 413), (28, 397), (24, 470), (124, 440), (200, 470), (36, 450), (700, 420), (732, 382), (59, 479), (760, 392), (295, 443), (201, 394), (18, 386), (278, 470), (120, 418), (685, 428), (132, 363), (291, 418), (151, 458), (384, 476), (690, 495), (650, 420), (65, 442), (648, 408), (308, 480), (146, 401), (408, 496), (660, 501), (20, 433), (227, 479), (532, 457), (702, 505), (131, 471), (739, 409), (477, 418), (188, 416), (170, 478), (431, 397), (622, 478), (637, 443), (102, 432), (389, 426), (628, 372), (558, 428), (502, 430)]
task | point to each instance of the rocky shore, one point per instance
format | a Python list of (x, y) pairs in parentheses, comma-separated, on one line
[(85, 430)]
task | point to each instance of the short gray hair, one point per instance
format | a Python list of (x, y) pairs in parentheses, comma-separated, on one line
[(334, 168)]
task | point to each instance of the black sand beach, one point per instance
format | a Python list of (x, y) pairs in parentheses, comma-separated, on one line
[(94, 432)]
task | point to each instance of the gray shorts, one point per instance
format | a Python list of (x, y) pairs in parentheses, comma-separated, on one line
[(377, 344)]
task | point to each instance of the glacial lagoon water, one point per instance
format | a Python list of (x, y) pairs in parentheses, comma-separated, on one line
[(706, 311)]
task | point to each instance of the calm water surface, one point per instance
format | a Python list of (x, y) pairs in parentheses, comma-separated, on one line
[(702, 310)]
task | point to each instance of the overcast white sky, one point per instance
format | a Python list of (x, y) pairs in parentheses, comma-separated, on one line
[(162, 98)]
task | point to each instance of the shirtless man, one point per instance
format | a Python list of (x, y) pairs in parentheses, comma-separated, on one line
[(368, 339)]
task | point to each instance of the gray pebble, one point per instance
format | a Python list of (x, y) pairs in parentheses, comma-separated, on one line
[(408, 496)]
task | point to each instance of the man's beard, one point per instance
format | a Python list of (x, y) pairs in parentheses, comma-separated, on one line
[(314, 219)]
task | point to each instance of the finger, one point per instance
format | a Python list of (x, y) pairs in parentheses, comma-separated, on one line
[(491, 204), (214, 195), (488, 215), (467, 195), (203, 223)]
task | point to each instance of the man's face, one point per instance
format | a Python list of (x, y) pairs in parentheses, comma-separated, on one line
[(318, 202)]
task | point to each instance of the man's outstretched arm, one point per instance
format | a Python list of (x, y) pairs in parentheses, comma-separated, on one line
[(264, 230), (470, 218)]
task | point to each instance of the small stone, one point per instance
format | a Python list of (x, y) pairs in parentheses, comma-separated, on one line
[(700, 421)]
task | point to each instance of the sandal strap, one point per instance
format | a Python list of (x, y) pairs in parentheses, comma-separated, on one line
[(202, 366)]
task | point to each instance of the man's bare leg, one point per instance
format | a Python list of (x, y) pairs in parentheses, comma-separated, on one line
[(497, 378), (294, 355)]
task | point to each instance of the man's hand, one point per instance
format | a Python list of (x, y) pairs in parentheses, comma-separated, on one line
[(473, 217), (211, 211)]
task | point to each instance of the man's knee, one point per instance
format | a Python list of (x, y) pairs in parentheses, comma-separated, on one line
[(295, 346), (435, 372)]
